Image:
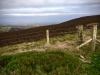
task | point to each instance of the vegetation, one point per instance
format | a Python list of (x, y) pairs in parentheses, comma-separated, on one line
[(48, 63), (51, 63), (94, 67), (4, 29), (58, 58)]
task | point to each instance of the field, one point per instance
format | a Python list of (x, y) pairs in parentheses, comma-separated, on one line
[(5, 29)]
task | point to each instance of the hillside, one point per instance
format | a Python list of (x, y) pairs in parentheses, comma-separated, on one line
[(38, 33), (69, 24), (60, 57)]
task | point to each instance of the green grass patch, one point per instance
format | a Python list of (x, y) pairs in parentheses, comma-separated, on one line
[(45, 63), (4, 29), (94, 66)]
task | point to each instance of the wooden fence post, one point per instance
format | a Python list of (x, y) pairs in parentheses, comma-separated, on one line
[(94, 37), (80, 34), (47, 36)]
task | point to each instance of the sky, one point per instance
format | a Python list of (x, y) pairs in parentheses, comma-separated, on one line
[(46, 11)]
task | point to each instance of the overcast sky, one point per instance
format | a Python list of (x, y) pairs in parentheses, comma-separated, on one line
[(43, 11)]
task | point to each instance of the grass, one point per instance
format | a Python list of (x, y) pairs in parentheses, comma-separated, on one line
[(94, 67), (45, 63), (58, 58), (4, 29), (49, 63), (59, 42)]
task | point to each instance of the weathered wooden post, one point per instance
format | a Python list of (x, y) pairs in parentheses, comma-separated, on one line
[(93, 39), (80, 34), (94, 34), (47, 36)]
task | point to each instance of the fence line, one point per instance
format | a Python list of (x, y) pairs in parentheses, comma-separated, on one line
[(34, 36), (28, 37)]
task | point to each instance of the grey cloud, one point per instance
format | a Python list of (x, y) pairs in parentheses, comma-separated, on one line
[(37, 10), (30, 9), (37, 3), (66, 10)]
